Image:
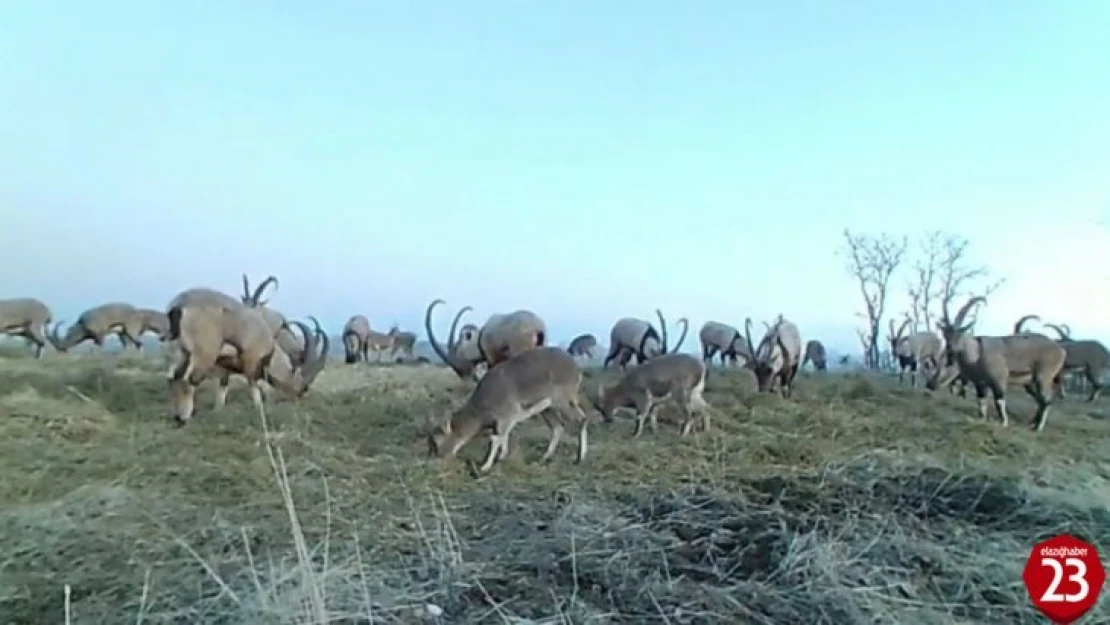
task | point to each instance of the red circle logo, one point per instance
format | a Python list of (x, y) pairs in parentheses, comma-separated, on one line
[(1064, 577)]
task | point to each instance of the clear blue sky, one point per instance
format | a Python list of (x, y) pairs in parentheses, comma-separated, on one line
[(587, 160)]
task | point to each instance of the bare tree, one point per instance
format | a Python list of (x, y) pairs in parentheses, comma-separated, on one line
[(865, 345), (943, 273), (958, 277), (923, 288), (872, 261)]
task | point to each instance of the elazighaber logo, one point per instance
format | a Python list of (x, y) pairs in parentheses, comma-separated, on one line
[(1064, 577)]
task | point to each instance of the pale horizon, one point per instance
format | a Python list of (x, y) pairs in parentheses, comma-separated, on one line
[(584, 161)]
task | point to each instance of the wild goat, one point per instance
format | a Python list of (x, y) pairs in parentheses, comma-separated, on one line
[(220, 340), (520, 387), (402, 342), (379, 343), (920, 350), (582, 345), (148, 320), (636, 337), (356, 333), (778, 356), (1086, 356), (500, 338), (287, 340), (722, 339), (994, 362), (26, 317), (201, 297), (815, 353), (680, 377), (97, 323)]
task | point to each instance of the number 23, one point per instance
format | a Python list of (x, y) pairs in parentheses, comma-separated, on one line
[(1079, 577)]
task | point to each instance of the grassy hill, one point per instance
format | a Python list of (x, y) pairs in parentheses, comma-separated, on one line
[(855, 502)]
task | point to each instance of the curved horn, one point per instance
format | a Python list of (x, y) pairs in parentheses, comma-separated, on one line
[(748, 336), (452, 337), (308, 338), (320, 360), (54, 338), (978, 299), (256, 298), (596, 401), (681, 337), (1067, 329), (445, 355), (246, 288), (662, 329), (1021, 322), (898, 334), (1063, 334)]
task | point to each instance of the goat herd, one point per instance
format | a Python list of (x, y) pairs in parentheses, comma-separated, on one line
[(211, 333)]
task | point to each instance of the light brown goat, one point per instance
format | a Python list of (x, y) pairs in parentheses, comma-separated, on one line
[(991, 363), (636, 338), (26, 317), (403, 342), (500, 338), (1085, 356), (219, 340), (356, 333), (147, 320), (680, 377), (379, 343), (96, 324), (777, 357), (289, 342), (520, 387), (918, 351)]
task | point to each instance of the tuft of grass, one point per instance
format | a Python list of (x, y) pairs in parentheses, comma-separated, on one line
[(855, 502)]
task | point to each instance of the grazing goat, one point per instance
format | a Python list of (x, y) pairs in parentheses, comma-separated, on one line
[(815, 353), (680, 377), (404, 342), (919, 351), (96, 324), (520, 387), (220, 340), (356, 335), (631, 337), (286, 338), (994, 362), (148, 320), (26, 317), (778, 356), (500, 338), (1086, 356), (722, 339), (583, 345), (379, 343)]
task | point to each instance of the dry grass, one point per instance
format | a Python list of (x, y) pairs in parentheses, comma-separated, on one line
[(854, 503)]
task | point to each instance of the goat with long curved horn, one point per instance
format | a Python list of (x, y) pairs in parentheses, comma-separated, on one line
[(502, 336), (994, 362), (778, 356)]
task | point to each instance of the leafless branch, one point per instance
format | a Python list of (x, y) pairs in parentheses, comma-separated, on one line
[(872, 261), (957, 276)]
